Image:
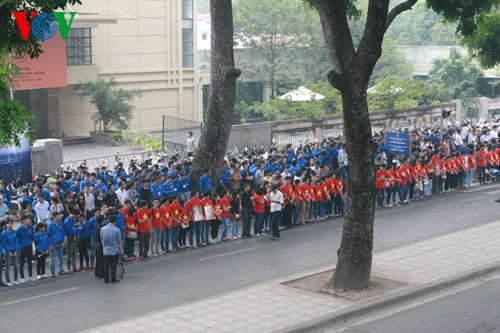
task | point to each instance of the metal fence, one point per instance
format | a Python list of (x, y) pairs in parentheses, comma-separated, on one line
[(174, 132), (110, 161), (296, 138)]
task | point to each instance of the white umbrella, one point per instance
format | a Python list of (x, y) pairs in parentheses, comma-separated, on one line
[(302, 94)]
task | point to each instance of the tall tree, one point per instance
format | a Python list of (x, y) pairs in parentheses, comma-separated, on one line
[(351, 70), (15, 119), (213, 142)]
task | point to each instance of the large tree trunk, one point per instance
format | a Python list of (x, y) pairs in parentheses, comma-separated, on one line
[(355, 253), (213, 142), (350, 74)]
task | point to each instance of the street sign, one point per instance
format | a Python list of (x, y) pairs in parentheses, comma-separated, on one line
[(397, 143)]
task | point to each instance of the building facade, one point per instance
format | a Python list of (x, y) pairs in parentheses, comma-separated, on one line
[(147, 45)]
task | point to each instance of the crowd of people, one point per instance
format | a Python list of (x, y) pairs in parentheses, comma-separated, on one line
[(156, 206)]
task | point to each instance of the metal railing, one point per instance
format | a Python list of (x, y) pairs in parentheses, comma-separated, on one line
[(174, 132)]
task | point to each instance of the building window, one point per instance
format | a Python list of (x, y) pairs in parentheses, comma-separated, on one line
[(79, 47), (187, 48), (187, 9), (204, 36)]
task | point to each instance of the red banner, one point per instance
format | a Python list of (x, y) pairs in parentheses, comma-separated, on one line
[(47, 71)]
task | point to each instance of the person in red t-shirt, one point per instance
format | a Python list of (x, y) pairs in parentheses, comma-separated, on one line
[(165, 225), (207, 206), (195, 210), (214, 231), (380, 184), (298, 200), (481, 164), (471, 168), (336, 193), (157, 224), (259, 207), (184, 225), (175, 209), (225, 203), (288, 196), (143, 229), (131, 233), (318, 201), (306, 202)]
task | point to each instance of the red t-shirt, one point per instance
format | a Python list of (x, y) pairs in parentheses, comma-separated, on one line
[(193, 202), (225, 202), (298, 194), (166, 216), (287, 191), (156, 217), (318, 192), (481, 158), (218, 209), (143, 226), (259, 207), (175, 212), (472, 162), (206, 202), (380, 183), (185, 215), (304, 188), (130, 220), (403, 175)]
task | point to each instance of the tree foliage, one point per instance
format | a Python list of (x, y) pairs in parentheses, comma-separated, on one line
[(484, 44), (454, 77), (15, 120), (114, 108)]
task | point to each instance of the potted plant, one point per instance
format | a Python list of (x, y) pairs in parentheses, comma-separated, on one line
[(116, 138), (113, 105)]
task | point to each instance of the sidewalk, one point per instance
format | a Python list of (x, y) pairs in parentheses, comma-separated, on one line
[(273, 306)]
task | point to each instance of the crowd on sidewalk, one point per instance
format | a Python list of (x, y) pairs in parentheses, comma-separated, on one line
[(156, 207)]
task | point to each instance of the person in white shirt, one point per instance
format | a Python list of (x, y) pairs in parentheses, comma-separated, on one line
[(89, 202), (121, 194), (42, 210), (277, 201), (457, 139)]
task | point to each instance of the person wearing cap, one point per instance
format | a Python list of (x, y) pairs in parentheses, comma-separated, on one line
[(10, 244), (277, 201), (25, 235), (112, 248), (42, 246)]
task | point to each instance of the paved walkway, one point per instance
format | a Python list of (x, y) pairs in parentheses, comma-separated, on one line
[(273, 306)]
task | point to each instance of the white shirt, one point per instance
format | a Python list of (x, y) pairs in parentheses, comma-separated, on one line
[(278, 196), (89, 202), (121, 195), (458, 140), (42, 212)]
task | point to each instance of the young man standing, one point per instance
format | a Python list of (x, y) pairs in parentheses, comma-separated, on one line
[(112, 246), (10, 244), (55, 232), (247, 206), (277, 201), (71, 233), (381, 178), (156, 219), (143, 229), (25, 235), (42, 209)]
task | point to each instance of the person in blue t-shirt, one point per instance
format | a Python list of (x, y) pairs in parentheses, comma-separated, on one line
[(83, 241), (42, 246), (25, 235)]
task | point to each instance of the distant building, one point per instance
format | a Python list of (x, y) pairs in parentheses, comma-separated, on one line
[(145, 45)]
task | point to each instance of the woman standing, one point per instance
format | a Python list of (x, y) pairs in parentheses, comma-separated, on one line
[(184, 225), (235, 214), (131, 233), (224, 216), (42, 246)]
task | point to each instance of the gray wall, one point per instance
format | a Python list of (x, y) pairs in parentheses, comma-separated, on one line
[(46, 156)]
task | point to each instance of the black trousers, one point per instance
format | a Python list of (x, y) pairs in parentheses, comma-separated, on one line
[(275, 221), (182, 236), (83, 247), (99, 261), (110, 264), (143, 243), (26, 254), (214, 229), (287, 215), (40, 263)]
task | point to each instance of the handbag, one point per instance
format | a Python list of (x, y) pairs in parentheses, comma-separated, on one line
[(132, 235)]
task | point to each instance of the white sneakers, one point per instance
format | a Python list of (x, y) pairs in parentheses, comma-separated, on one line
[(39, 277), (22, 281), (45, 276)]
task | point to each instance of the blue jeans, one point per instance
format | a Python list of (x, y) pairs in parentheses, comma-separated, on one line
[(92, 251), (205, 226), (175, 237), (156, 240), (15, 263), (197, 227), (191, 232), (246, 222), (296, 212), (57, 251), (338, 205), (481, 173), (185, 196), (470, 175), (257, 227), (165, 240), (225, 224), (234, 227), (380, 196)]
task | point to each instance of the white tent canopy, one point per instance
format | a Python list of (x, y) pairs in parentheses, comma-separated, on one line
[(302, 94)]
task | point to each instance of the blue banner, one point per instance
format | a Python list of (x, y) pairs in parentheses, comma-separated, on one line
[(15, 163), (397, 143)]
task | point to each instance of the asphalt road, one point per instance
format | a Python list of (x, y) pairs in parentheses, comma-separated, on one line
[(469, 308), (79, 301)]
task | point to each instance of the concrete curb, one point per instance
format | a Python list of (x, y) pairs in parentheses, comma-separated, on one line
[(404, 295)]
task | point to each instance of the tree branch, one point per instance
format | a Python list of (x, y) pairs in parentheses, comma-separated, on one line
[(404, 6)]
